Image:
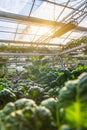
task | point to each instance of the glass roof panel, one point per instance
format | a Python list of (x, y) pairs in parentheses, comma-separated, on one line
[(19, 6), (48, 11), (6, 36), (7, 24), (62, 11), (84, 22)]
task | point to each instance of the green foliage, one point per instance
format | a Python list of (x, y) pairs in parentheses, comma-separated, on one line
[(69, 92), (73, 98), (65, 105), (76, 114), (60, 73), (6, 83), (36, 93), (76, 42), (1, 87), (6, 96), (80, 67), (26, 115), (51, 104)]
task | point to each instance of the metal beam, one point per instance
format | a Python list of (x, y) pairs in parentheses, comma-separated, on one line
[(31, 43), (1, 62), (73, 49), (45, 54), (79, 28), (66, 6), (25, 54), (25, 19)]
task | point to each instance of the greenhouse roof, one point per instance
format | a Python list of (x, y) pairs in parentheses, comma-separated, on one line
[(42, 21)]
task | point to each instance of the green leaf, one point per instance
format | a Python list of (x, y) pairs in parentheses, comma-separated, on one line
[(1, 87)]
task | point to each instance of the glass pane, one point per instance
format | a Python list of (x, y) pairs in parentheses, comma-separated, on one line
[(22, 7)]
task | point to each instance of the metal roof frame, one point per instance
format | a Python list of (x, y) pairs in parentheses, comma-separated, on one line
[(30, 43), (45, 54), (24, 19)]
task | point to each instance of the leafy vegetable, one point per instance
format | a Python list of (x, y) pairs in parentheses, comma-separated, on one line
[(6, 96), (25, 114)]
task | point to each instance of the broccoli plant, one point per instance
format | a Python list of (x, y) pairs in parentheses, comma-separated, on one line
[(6, 96), (25, 114)]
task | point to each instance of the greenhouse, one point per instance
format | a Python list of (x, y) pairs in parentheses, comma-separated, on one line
[(43, 65)]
